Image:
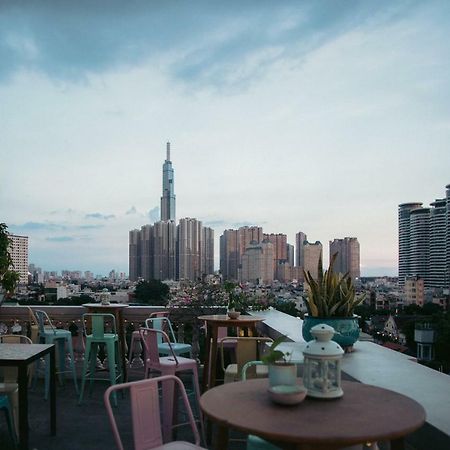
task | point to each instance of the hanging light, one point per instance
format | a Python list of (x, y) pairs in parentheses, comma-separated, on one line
[(322, 366)]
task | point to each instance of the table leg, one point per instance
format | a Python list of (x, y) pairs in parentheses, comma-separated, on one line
[(212, 370), (52, 392), (122, 338), (23, 407), (221, 441), (398, 444), (205, 381)]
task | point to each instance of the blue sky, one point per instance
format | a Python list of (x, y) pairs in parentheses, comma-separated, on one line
[(315, 116)]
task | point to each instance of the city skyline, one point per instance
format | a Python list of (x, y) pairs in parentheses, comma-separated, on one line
[(316, 117)]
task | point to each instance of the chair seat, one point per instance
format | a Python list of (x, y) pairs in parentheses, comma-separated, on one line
[(183, 363), (107, 337), (57, 333), (231, 373), (177, 347), (177, 445)]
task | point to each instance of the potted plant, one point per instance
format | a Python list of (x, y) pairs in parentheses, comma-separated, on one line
[(331, 299), (281, 370), (8, 277), (234, 300)]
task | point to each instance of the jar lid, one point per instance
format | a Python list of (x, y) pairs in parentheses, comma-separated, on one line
[(322, 345)]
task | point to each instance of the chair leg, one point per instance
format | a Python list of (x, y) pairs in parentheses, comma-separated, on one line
[(60, 343), (196, 386), (72, 363), (84, 371), (111, 352), (93, 363)]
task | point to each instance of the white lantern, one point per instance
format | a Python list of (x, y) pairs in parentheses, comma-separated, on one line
[(322, 366)]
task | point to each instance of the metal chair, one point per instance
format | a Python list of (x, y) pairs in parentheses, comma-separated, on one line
[(9, 386), (169, 365), (136, 337), (163, 324), (145, 414), (49, 334), (247, 349), (6, 406), (112, 348)]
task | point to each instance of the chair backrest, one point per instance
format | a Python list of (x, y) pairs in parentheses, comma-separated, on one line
[(247, 349), (145, 411), (97, 322), (34, 327), (42, 319), (162, 324), (149, 337), (10, 373)]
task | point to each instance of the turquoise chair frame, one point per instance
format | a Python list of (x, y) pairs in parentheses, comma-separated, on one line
[(93, 340), (49, 334), (6, 406)]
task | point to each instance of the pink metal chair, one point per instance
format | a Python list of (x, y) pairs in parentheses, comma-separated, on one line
[(145, 414), (168, 365)]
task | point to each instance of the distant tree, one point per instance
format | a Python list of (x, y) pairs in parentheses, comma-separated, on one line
[(8, 277), (152, 292)]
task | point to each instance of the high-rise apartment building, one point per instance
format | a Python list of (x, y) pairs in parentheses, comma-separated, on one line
[(348, 256), (279, 242), (424, 242), (165, 251), (168, 196), (311, 254), (290, 254), (233, 244), (19, 256), (300, 238), (257, 263), (189, 235)]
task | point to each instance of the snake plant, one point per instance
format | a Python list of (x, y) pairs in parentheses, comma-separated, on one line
[(332, 294)]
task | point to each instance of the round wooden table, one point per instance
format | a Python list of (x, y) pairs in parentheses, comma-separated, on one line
[(364, 414), (213, 322), (116, 309)]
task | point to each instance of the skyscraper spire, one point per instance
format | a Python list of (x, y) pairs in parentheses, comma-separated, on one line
[(168, 195)]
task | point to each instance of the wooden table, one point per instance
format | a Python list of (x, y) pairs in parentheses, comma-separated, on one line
[(213, 322), (364, 414), (20, 356), (116, 309)]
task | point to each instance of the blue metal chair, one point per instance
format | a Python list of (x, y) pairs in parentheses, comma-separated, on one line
[(6, 406), (49, 334), (164, 324)]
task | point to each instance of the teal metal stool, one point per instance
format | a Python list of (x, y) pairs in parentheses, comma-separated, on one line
[(49, 334), (112, 348), (6, 406)]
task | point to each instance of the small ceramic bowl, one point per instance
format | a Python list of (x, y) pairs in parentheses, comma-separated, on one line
[(287, 395), (233, 314)]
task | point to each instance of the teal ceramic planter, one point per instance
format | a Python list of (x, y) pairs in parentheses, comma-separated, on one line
[(347, 328)]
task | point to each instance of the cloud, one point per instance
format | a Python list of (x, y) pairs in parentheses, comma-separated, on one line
[(36, 226), (154, 214), (214, 44), (99, 216), (132, 210), (60, 239), (90, 227)]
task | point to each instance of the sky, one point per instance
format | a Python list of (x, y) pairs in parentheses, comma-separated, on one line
[(313, 116)]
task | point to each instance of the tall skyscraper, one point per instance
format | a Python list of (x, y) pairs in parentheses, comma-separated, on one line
[(279, 242), (290, 254), (168, 197), (19, 256), (424, 242), (165, 251), (348, 256)]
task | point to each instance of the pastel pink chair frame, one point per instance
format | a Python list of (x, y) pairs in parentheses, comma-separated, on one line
[(144, 397), (168, 365)]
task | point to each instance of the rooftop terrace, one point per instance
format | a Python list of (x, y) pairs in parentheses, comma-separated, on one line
[(86, 426)]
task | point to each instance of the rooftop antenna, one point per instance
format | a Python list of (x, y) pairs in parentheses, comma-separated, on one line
[(168, 152)]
